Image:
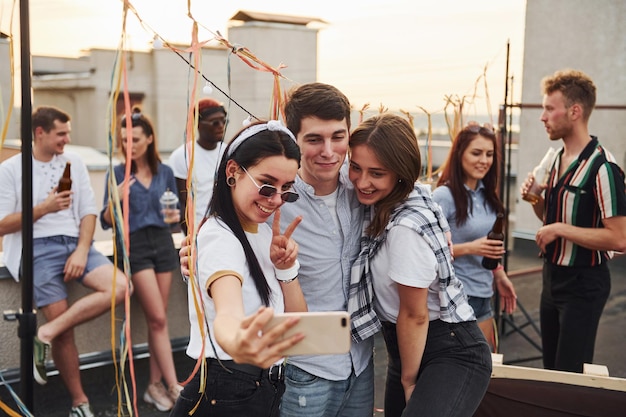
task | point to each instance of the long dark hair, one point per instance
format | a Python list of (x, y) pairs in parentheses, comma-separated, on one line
[(138, 119), (393, 141), (249, 153), (453, 175)]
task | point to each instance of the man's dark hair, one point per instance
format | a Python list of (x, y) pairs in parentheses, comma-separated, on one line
[(45, 116), (318, 100)]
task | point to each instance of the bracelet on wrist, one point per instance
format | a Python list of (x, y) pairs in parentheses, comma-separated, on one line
[(288, 275)]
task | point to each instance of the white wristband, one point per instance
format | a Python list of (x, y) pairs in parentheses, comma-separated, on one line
[(288, 275)]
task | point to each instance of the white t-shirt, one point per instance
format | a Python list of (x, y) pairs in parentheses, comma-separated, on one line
[(219, 250), (52, 224), (67, 224), (203, 175), (404, 258), (331, 202)]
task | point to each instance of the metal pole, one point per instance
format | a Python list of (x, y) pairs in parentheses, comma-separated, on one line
[(502, 120), (507, 188), (27, 317), (505, 157)]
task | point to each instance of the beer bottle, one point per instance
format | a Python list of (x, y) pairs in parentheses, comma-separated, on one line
[(496, 233), (65, 182)]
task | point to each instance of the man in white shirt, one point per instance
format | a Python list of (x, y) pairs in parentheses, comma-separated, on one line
[(207, 155), (63, 229)]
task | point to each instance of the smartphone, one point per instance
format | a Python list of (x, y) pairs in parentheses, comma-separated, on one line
[(325, 333)]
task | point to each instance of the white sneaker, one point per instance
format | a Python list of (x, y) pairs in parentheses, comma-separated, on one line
[(174, 392), (81, 410), (157, 395)]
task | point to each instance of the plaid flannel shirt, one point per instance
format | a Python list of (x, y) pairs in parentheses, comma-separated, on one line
[(420, 213)]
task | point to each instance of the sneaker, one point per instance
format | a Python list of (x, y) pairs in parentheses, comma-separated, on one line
[(40, 352), (174, 392), (81, 410), (157, 395)]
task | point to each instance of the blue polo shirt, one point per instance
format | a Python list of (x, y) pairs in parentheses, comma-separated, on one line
[(477, 281)]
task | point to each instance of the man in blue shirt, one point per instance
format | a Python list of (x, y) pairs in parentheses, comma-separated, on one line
[(328, 242)]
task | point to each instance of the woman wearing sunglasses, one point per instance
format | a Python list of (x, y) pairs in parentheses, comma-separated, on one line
[(246, 271), (467, 194)]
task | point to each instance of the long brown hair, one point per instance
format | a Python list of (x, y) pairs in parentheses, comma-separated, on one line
[(139, 119), (393, 141), (453, 175), (250, 152)]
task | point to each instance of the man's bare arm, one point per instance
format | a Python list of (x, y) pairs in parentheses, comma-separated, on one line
[(611, 237)]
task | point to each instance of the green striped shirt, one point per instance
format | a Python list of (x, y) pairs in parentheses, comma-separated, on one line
[(592, 189)]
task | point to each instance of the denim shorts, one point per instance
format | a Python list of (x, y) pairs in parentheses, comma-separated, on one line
[(151, 248), (49, 257), (482, 307)]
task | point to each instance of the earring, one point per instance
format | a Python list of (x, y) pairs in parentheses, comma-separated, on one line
[(231, 181)]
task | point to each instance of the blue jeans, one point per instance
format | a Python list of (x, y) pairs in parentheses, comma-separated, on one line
[(307, 395), (453, 377)]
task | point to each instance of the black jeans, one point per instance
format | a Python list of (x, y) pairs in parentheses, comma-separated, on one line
[(453, 377), (572, 301), (231, 393)]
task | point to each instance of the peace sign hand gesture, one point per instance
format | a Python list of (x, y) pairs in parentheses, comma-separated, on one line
[(283, 250)]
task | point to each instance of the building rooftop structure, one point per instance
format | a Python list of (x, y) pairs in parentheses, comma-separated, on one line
[(251, 16)]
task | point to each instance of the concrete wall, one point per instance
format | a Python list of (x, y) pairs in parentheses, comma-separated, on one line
[(5, 91), (292, 45), (161, 81), (582, 35), (95, 336)]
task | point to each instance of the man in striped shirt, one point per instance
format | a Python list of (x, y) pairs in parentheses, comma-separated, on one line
[(584, 221)]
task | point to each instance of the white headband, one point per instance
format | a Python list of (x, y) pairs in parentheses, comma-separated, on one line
[(272, 125)]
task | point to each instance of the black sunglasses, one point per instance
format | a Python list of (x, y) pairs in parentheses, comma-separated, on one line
[(268, 191), (476, 128), (214, 122), (133, 116)]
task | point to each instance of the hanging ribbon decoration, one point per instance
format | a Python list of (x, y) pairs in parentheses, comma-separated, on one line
[(121, 225), (7, 119), (277, 103), (118, 210)]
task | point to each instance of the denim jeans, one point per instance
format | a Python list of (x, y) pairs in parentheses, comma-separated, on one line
[(49, 257), (572, 301), (307, 395), (230, 394), (453, 376)]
